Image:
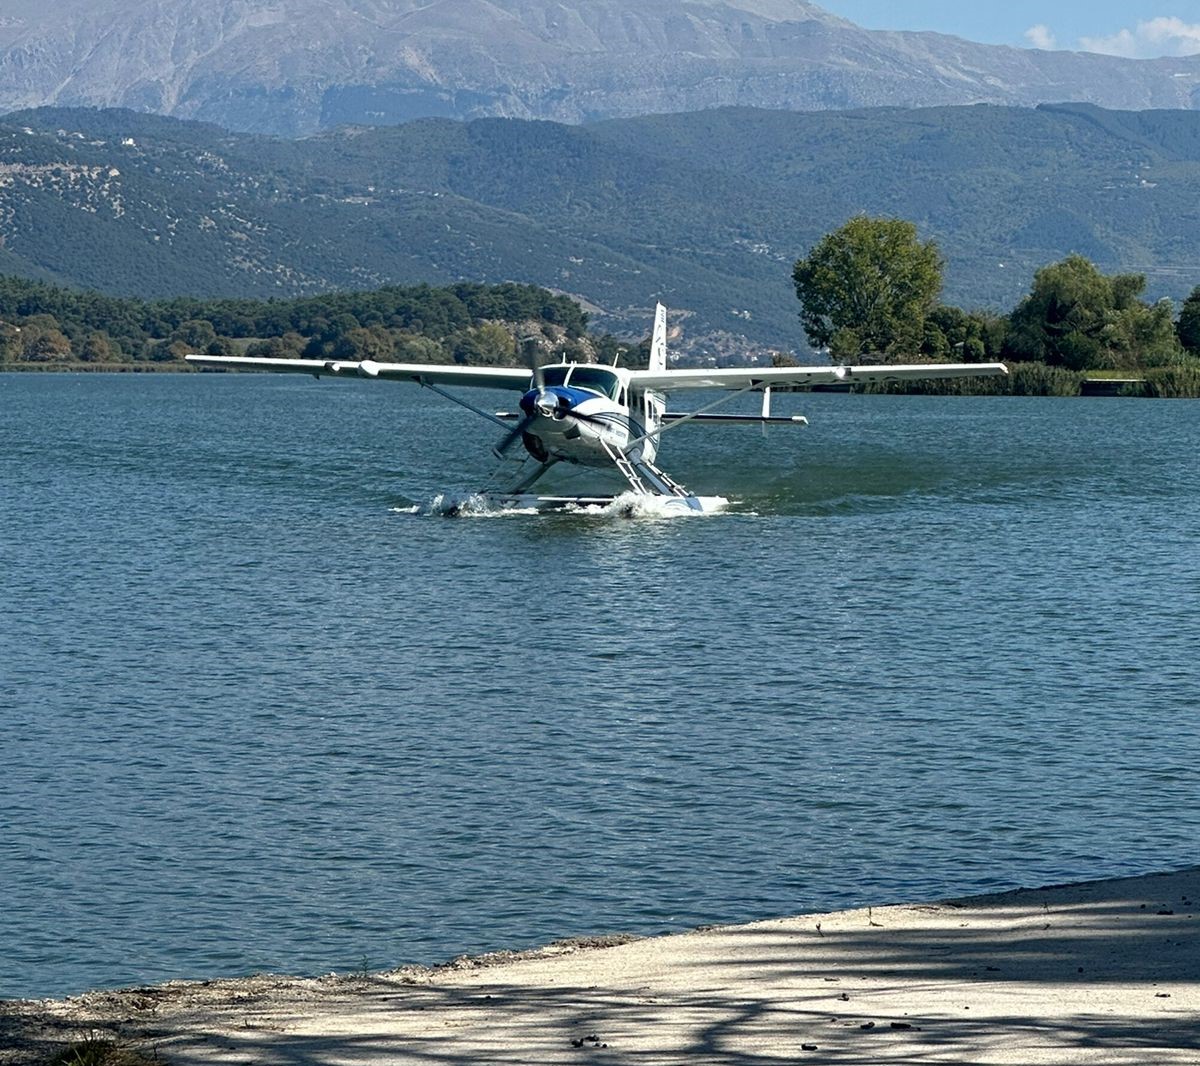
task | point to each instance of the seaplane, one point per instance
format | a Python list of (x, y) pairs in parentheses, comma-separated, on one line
[(602, 416)]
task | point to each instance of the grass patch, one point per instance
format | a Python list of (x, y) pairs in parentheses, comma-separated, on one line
[(67, 367), (99, 1051), (1022, 379), (1167, 382)]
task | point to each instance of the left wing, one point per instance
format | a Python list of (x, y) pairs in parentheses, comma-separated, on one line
[(478, 377), (745, 378)]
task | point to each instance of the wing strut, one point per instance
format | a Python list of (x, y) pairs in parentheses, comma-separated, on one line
[(659, 430), (463, 403)]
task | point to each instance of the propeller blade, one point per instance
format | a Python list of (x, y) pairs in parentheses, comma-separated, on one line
[(511, 437), (506, 442)]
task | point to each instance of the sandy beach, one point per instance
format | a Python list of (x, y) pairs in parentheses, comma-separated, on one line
[(1104, 972)]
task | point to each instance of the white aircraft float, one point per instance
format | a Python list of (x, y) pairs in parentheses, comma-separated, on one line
[(596, 415)]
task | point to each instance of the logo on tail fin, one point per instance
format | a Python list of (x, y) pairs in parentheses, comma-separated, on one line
[(658, 341)]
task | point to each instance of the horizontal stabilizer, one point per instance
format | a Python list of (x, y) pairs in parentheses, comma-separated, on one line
[(742, 379), (753, 420)]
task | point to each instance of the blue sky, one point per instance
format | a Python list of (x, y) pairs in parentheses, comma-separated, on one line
[(1138, 28)]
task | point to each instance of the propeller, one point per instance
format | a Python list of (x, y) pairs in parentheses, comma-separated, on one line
[(544, 405), (513, 435)]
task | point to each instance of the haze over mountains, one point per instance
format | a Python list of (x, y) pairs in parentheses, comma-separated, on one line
[(296, 66)]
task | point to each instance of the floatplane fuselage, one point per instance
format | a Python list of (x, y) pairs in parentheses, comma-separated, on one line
[(583, 413), (608, 417)]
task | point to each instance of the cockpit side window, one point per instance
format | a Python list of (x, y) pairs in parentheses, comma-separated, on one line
[(596, 379)]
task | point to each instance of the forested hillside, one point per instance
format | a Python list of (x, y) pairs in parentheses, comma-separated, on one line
[(706, 211), (43, 325)]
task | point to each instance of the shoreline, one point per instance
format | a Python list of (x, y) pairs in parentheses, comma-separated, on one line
[(1104, 972), (1090, 388), (97, 368)]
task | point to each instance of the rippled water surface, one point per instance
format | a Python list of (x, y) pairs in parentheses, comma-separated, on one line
[(257, 715)]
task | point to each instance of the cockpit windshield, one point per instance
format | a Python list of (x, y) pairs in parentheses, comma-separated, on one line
[(598, 379), (594, 378)]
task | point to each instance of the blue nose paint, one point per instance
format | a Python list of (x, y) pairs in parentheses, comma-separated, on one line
[(562, 396)]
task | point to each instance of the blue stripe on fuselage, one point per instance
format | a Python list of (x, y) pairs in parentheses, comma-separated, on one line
[(564, 395), (568, 398)]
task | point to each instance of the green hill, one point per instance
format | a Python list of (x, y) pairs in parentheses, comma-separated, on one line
[(706, 211)]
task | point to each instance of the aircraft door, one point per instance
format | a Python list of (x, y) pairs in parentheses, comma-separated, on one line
[(652, 409)]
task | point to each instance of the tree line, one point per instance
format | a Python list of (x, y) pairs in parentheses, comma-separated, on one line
[(870, 291), (464, 323)]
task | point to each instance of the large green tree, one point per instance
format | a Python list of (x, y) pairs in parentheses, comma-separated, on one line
[(1081, 319), (868, 287), (956, 336), (1188, 327)]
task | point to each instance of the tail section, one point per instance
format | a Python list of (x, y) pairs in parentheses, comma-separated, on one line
[(658, 341)]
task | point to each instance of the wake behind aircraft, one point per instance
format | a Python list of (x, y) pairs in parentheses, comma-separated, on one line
[(594, 415)]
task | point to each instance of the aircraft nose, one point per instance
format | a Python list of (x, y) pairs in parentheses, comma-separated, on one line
[(545, 402)]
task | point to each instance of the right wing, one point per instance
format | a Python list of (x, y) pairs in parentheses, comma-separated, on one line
[(476, 377), (745, 378)]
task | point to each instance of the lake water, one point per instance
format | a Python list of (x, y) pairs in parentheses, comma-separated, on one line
[(257, 715)]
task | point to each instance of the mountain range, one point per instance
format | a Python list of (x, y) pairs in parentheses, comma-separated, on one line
[(296, 66), (705, 211)]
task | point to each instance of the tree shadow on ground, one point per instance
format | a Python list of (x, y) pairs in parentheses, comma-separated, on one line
[(1106, 973)]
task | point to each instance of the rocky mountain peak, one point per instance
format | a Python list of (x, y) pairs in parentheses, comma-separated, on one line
[(296, 66)]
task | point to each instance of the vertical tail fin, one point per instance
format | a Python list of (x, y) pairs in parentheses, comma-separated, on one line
[(658, 341)]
